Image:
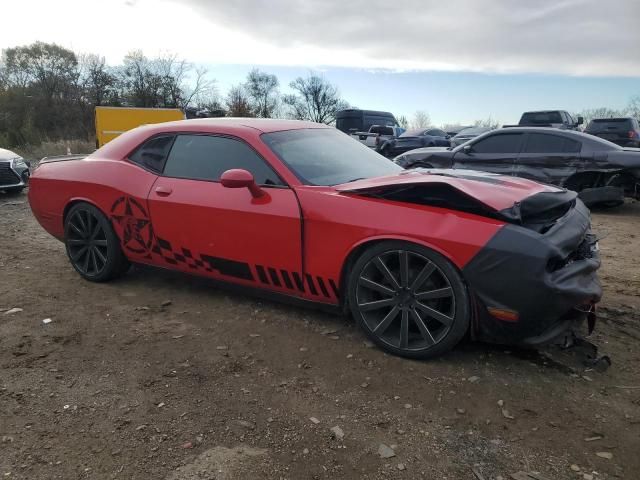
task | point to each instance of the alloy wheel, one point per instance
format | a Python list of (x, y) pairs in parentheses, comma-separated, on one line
[(87, 243), (405, 300)]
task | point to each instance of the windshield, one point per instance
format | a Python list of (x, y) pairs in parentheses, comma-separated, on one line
[(615, 124), (473, 131), (541, 118), (325, 156)]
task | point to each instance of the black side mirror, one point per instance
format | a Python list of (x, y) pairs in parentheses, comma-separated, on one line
[(580, 120)]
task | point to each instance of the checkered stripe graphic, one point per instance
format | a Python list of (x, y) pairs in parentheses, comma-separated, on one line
[(267, 275)]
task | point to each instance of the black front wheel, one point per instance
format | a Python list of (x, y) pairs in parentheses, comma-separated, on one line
[(92, 245), (408, 299)]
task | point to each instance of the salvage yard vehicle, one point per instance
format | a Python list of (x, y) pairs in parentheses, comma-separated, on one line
[(621, 131), (377, 135), (549, 118), (467, 134), (301, 211), (353, 120), (412, 139), (603, 173), (14, 172)]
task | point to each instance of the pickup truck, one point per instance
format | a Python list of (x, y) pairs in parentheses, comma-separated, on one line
[(549, 118), (377, 135)]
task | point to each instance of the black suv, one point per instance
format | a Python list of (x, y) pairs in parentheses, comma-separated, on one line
[(621, 131)]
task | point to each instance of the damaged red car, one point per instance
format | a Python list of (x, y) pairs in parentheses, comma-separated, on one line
[(300, 210)]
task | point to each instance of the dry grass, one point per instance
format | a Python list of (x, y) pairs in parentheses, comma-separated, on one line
[(61, 147)]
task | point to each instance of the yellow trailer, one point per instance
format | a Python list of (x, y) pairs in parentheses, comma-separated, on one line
[(112, 121)]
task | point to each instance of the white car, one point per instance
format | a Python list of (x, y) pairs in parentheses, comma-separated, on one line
[(14, 171)]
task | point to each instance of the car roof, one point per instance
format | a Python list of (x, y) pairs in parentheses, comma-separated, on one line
[(263, 125)]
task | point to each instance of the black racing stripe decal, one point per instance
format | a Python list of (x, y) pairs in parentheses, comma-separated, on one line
[(299, 282), (334, 288), (312, 287), (287, 279), (170, 260), (323, 289), (262, 275), (229, 267), (274, 277), (186, 252), (164, 244)]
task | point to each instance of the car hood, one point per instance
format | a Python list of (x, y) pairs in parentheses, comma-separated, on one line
[(7, 154), (508, 198)]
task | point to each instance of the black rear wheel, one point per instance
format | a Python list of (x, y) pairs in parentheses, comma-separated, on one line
[(409, 300), (92, 245)]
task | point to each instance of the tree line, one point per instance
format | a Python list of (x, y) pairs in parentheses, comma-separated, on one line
[(48, 92)]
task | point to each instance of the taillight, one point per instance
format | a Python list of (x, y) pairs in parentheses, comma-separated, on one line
[(633, 134)]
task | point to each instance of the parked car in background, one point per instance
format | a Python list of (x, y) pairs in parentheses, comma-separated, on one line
[(355, 120), (14, 172), (411, 139), (453, 131), (300, 210), (623, 131), (602, 172), (467, 134), (549, 118), (377, 135)]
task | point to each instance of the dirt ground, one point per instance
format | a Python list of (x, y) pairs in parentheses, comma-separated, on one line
[(218, 385)]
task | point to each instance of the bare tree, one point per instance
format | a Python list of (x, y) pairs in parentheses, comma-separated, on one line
[(238, 102), (403, 121), (316, 100), (262, 89), (602, 112), (98, 82), (633, 109), (488, 122), (421, 119)]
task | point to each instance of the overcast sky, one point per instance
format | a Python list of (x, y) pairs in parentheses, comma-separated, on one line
[(404, 41)]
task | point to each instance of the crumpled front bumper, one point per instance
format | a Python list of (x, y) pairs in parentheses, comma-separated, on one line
[(531, 287)]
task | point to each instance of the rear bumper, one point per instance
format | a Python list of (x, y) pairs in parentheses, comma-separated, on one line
[(544, 281)]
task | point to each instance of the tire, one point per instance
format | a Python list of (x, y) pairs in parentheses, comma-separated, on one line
[(92, 246), (422, 313)]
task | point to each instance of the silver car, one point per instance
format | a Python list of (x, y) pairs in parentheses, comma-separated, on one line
[(14, 171)]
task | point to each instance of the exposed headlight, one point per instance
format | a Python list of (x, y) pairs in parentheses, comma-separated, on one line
[(18, 162)]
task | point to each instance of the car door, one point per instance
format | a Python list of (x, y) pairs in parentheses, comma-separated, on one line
[(548, 158), (495, 153), (226, 233)]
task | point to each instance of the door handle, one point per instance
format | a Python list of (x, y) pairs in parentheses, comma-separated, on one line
[(163, 191)]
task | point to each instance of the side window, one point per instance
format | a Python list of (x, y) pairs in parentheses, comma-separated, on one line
[(206, 157), (545, 143), (436, 133), (153, 153), (501, 143)]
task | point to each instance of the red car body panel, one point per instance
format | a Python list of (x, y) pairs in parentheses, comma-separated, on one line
[(294, 240)]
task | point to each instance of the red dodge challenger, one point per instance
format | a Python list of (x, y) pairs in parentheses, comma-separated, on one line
[(298, 209)]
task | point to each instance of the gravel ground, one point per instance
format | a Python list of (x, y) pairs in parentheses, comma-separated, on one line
[(163, 376)]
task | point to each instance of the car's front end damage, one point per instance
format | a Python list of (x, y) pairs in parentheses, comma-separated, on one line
[(535, 282)]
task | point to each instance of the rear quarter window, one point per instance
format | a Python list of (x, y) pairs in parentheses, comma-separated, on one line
[(153, 153)]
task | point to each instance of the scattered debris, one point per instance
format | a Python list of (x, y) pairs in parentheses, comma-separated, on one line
[(187, 445), (402, 466), (161, 404), (506, 414), (337, 433), (11, 311), (222, 347), (593, 439), (501, 403), (477, 474), (575, 468), (473, 379), (386, 451), (607, 455), (254, 335), (461, 411), (527, 476), (314, 420), (166, 303), (46, 321)]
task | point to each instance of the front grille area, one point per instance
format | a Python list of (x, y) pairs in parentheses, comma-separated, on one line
[(7, 176)]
